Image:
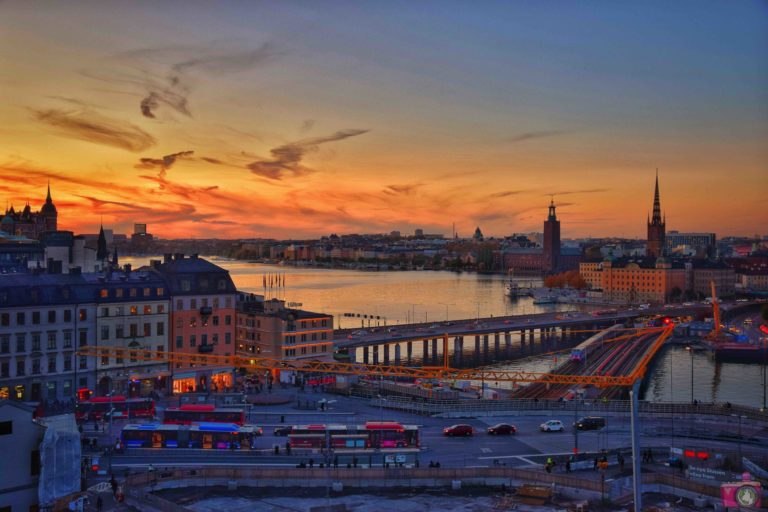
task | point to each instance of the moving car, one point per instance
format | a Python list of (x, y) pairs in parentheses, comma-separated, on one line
[(590, 423), (502, 429), (552, 426), (283, 431), (459, 430)]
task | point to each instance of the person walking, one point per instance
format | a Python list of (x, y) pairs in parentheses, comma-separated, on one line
[(99, 503), (568, 466)]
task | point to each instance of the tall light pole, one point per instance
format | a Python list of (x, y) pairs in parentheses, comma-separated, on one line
[(446, 309), (689, 348)]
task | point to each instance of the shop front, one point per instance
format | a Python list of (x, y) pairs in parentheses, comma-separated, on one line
[(203, 380)]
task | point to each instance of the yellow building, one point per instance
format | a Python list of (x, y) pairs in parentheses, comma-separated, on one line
[(635, 281)]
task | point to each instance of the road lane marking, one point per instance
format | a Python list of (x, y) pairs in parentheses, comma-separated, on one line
[(486, 450)]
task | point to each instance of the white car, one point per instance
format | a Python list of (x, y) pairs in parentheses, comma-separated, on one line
[(552, 426)]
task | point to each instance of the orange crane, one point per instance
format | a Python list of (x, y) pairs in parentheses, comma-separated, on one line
[(715, 312)]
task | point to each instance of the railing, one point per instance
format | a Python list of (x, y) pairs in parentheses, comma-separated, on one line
[(586, 407)]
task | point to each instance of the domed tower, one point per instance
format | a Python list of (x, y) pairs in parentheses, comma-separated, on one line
[(49, 213)]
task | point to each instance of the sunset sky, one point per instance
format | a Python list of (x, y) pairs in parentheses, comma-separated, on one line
[(293, 119)]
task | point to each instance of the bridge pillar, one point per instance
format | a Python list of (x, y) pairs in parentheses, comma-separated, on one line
[(375, 354), (352, 355), (522, 338), (425, 352), (477, 348), (457, 348), (496, 344), (434, 351), (409, 352), (366, 355), (385, 348), (397, 355), (508, 344)]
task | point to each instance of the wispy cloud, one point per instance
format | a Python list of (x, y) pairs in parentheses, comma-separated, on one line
[(164, 163), (286, 159), (406, 189), (505, 193), (585, 191), (85, 124), (534, 135)]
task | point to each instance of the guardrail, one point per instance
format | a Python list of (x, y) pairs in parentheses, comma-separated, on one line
[(430, 407)]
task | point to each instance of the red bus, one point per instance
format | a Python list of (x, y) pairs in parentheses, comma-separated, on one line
[(204, 413), (97, 407)]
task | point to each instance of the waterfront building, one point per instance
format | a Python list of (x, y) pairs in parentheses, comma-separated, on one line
[(706, 272), (268, 328), (202, 320), (20, 438), (132, 315), (656, 244), (633, 281), (28, 223), (43, 319), (19, 253)]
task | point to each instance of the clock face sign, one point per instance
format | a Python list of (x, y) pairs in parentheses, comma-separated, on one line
[(746, 496)]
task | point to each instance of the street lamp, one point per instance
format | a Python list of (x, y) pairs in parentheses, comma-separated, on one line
[(689, 348), (446, 309), (739, 416)]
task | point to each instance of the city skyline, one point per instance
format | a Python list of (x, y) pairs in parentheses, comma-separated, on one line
[(290, 121)]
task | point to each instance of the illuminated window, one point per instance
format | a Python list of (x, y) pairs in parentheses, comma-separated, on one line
[(134, 310)]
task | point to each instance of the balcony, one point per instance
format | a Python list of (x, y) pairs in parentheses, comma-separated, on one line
[(206, 311), (205, 349)]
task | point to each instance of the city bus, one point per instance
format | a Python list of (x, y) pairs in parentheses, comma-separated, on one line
[(374, 435), (206, 436), (188, 414), (97, 408)]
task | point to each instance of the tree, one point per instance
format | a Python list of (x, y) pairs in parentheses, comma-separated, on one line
[(675, 293)]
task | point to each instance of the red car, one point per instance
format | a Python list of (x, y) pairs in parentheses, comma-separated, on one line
[(459, 430), (502, 429)]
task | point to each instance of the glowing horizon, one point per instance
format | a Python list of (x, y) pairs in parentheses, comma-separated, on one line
[(297, 120)]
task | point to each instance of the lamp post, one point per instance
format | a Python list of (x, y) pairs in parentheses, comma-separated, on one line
[(446, 309), (689, 348), (739, 416)]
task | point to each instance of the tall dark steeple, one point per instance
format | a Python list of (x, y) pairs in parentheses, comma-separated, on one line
[(656, 226), (551, 240), (101, 246), (49, 213)]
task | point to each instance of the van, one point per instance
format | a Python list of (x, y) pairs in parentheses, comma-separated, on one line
[(590, 423)]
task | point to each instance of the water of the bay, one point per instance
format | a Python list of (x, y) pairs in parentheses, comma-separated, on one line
[(419, 296)]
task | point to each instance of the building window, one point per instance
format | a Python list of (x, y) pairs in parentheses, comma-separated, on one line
[(185, 285), (35, 342), (148, 310), (134, 310), (133, 330), (227, 338), (160, 292), (204, 339), (35, 317), (83, 315), (34, 463), (192, 340), (193, 321), (160, 308), (6, 428), (5, 319), (147, 292), (179, 341), (36, 367), (134, 292), (104, 311), (160, 328), (215, 302), (21, 339), (180, 305), (119, 292), (51, 364), (147, 329), (221, 284), (5, 344), (228, 320), (179, 323), (52, 340), (204, 302), (216, 320), (5, 371), (20, 368), (83, 363), (67, 315), (21, 318), (228, 302), (215, 338), (104, 293), (83, 338), (192, 303), (67, 364), (323, 336), (119, 331)]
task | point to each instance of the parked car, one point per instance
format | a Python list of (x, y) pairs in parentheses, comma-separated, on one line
[(590, 423), (502, 429), (459, 430), (552, 426), (282, 431)]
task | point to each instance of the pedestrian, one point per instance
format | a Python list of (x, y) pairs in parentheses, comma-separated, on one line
[(594, 463), (547, 468), (113, 484), (568, 466), (99, 503), (620, 458), (311, 463)]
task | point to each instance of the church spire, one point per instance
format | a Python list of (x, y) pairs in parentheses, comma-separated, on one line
[(48, 197), (656, 203), (101, 246)]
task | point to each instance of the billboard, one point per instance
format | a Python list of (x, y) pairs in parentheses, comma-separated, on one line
[(741, 494)]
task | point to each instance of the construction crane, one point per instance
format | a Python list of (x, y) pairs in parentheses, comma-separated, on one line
[(715, 312), (444, 372)]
